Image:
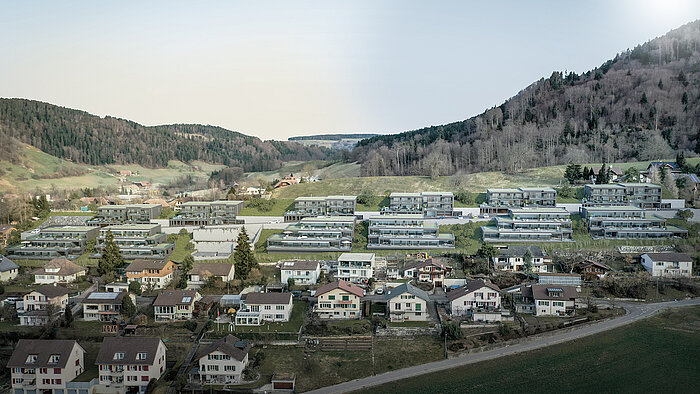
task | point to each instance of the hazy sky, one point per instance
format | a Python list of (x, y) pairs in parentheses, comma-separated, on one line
[(275, 69)]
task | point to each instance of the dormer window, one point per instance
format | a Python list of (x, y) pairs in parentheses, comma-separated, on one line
[(119, 356), (53, 359), (32, 358), (141, 356)]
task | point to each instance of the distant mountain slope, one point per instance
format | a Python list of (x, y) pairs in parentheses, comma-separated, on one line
[(643, 104), (333, 137), (85, 138)]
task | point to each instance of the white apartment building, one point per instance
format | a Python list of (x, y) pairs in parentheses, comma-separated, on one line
[(475, 295), (44, 365), (128, 364), (407, 303), (356, 267), (172, 305), (303, 272), (265, 307), (223, 361), (668, 265), (45, 303), (59, 271)]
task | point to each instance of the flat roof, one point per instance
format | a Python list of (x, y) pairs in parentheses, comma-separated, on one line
[(68, 228), (122, 206), (612, 209), (542, 210), (131, 226), (398, 216), (329, 219), (356, 256)]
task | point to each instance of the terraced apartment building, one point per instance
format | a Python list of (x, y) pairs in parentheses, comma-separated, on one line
[(53, 242), (136, 241), (550, 224), (642, 195), (125, 214), (315, 234), (628, 222), (498, 201), (208, 213), (406, 231), (305, 207), (427, 204)]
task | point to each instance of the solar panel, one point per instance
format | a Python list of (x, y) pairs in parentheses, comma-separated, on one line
[(103, 296), (555, 289)]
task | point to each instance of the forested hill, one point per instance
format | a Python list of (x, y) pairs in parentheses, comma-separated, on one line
[(643, 104), (332, 137), (85, 138)]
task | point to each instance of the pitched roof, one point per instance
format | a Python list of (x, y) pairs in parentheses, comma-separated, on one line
[(302, 265), (426, 263), (52, 291), (519, 251), (597, 264), (4, 228), (43, 349), (541, 292), (130, 346), (7, 264), (215, 269), (101, 297), (343, 285), (140, 265), (175, 297), (231, 345), (406, 288), (470, 287), (65, 267), (671, 257), (268, 298)]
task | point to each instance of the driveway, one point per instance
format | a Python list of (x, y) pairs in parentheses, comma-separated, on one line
[(635, 312)]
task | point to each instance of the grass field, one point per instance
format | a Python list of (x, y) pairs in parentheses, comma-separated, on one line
[(293, 325), (182, 246), (655, 355), (281, 205)]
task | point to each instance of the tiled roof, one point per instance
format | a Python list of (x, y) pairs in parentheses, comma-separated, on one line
[(215, 269), (7, 264), (130, 347), (43, 349), (406, 288), (670, 257), (65, 267), (231, 345), (52, 291), (140, 265), (268, 298), (343, 285), (470, 287), (175, 297)]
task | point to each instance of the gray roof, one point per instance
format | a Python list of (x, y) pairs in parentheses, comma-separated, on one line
[(231, 345), (470, 287), (43, 349), (519, 251), (541, 292), (130, 346), (268, 298), (7, 264), (52, 291), (302, 265), (406, 288), (215, 269), (140, 265), (669, 257), (175, 297)]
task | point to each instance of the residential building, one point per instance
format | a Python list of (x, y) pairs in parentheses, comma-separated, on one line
[(288, 181), (407, 303), (59, 271), (498, 201), (128, 364), (44, 304), (303, 272), (208, 213), (44, 365), (213, 250), (668, 265), (547, 300), (108, 215), (321, 206), (339, 300), (136, 241), (429, 270), (223, 361), (474, 296), (512, 258), (104, 306), (153, 274), (171, 305), (628, 222), (642, 195), (315, 234), (53, 242), (202, 272), (530, 225), (116, 287), (5, 232), (427, 204), (406, 231), (265, 307), (550, 278), (356, 267), (592, 270), (8, 269)]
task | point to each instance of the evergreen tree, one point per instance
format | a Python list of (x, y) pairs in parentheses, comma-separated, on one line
[(644, 99), (128, 308), (573, 172), (185, 269), (603, 176), (111, 256), (135, 287), (243, 258), (68, 317), (487, 251), (697, 143), (527, 263), (682, 164)]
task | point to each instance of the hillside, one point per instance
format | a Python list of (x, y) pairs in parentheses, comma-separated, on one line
[(335, 141), (88, 139), (643, 104)]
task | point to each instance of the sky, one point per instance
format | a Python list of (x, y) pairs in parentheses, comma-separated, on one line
[(276, 69)]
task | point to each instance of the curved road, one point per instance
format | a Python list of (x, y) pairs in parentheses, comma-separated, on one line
[(635, 312)]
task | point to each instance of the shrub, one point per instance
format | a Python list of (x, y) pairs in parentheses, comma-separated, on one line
[(190, 325)]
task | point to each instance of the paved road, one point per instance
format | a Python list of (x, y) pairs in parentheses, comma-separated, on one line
[(635, 312)]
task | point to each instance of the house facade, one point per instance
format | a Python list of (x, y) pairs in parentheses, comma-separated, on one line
[(427, 271), (498, 201), (128, 364), (136, 241), (104, 306), (476, 295), (641, 195), (339, 300), (406, 231), (302, 272), (321, 206), (547, 300), (223, 361), (42, 305), (356, 267), (155, 274), (44, 365), (628, 222), (175, 305), (668, 265), (512, 258), (265, 307), (202, 272), (8, 269), (530, 225), (407, 303), (315, 234), (59, 271), (125, 214), (426, 204), (53, 242), (208, 213)]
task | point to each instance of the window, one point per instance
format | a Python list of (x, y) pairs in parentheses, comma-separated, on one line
[(32, 358), (557, 303), (53, 359), (418, 307), (118, 356), (57, 371), (145, 368), (144, 378), (268, 307), (230, 368), (331, 297), (279, 316), (280, 307), (346, 298), (141, 356)]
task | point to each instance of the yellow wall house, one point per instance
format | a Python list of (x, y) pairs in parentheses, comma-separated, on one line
[(8, 269), (339, 300), (149, 273)]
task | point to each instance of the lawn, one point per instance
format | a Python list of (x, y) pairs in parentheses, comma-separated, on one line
[(401, 352), (183, 248), (655, 355), (296, 320), (281, 205)]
